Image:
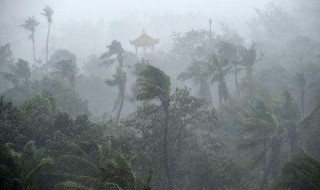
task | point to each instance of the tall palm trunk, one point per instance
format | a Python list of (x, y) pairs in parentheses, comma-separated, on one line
[(121, 91), (33, 48), (223, 89), (165, 106), (47, 45), (120, 108)]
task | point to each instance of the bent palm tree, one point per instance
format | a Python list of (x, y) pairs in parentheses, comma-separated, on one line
[(120, 80), (268, 131), (47, 12), (30, 25), (153, 83), (115, 54), (19, 172), (102, 174)]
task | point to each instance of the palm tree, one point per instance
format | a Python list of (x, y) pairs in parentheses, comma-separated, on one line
[(198, 72), (220, 67), (115, 54), (230, 52), (19, 170), (101, 174), (47, 12), (300, 80), (30, 25), (249, 58), (268, 130), (153, 83), (120, 80), (114, 49)]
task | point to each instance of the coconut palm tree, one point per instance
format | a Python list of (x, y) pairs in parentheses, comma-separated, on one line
[(153, 84), (268, 130), (30, 25), (198, 72), (119, 80), (20, 168), (100, 174), (47, 12), (115, 54)]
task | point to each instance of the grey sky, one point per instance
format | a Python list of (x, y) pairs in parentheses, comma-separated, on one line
[(86, 26)]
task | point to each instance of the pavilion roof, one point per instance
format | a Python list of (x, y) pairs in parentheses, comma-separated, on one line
[(144, 39)]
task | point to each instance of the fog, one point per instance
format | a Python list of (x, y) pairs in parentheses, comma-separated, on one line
[(159, 94), (85, 27)]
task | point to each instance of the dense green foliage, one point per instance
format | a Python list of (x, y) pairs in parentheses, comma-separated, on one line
[(250, 118)]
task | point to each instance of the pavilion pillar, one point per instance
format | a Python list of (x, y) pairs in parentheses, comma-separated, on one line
[(146, 43), (144, 50)]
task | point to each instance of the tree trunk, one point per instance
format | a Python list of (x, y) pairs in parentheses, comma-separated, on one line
[(34, 49), (47, 45), (204, 90), (120, 109), (165, 105)]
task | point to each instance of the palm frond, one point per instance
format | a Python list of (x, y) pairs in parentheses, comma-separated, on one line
[(43, 162), (70, 185), (153, 83), (48, 12), (81, 160)]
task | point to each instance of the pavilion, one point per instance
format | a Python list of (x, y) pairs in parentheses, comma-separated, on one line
[(144, 45)]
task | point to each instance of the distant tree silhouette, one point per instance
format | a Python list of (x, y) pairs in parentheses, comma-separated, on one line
[(47, 12), (30, 25)]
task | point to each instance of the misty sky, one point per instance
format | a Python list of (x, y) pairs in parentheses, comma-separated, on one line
[(94, 23)]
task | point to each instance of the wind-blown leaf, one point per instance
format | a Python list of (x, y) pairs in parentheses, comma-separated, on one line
[(153, 83)]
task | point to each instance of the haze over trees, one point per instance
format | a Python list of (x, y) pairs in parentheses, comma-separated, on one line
[(209, 107)]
